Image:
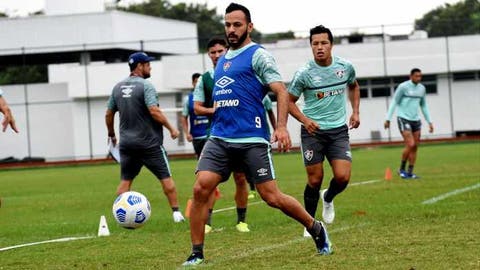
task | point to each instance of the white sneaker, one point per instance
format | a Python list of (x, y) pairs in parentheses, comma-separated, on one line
[(305, 233), (178, 217), (328, 212)]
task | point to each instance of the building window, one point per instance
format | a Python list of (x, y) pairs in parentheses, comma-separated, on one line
[(431, 88), (381, 91), (464, 76), (363, 92)]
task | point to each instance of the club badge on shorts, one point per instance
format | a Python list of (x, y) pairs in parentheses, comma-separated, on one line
[(308, 154)]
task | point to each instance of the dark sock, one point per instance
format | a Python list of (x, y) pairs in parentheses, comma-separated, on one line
[(334, 188), (209, 219), (252, 185), (402, 165), (310, 198), (316, 230), (197, 249), (410, 169), (175, 209), (241, 214)]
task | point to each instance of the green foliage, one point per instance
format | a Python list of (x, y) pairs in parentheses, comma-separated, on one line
[(381, 225), (21, 75), (209, 23), (462, 18), (277, 36)]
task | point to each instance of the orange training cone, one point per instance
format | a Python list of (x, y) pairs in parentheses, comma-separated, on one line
[(188, 208), (388, 174)]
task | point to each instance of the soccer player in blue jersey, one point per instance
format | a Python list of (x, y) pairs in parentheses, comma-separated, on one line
[(8, 118), (203, 105), (238, 136), (141, 129), (194, 126), (409, 97), (325, 81)]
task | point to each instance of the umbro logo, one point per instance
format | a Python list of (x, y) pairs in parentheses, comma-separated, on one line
[(127, 90), (262, 172), (224, 81)]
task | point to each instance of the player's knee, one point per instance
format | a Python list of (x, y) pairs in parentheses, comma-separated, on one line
[(169, 189), (200, 193), (315, 177), (271, 199)]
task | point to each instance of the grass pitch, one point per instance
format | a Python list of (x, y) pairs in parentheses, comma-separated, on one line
[(378, 225)]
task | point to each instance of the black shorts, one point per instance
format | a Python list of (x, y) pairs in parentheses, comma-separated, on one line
[(198, 145), (223, 158), (408, 125), (332, 143), (154, 158)]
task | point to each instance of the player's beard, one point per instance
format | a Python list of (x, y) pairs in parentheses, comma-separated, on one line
[(239, 42), (146, 75)]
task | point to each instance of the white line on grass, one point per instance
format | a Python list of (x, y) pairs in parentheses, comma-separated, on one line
[(451, 193), (258, 202), (284, 244), (66, 239)]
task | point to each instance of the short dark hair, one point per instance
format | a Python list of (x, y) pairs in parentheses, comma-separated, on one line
[(320, 29), (414, 70), (195, 75), (216, 40), (234, 6)]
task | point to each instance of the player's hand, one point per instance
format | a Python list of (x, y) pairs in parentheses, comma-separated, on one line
[(9, 120), (430, 128), (311, 125), (281, 136), (386, 125), (174, 133), (354, 121), (189, 137), (112, 139)]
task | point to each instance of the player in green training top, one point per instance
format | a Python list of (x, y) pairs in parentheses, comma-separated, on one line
[(409, 96), (324, 82)]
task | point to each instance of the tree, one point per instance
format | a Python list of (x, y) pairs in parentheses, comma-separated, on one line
[(268, 38), (462, 18), (209, 23)]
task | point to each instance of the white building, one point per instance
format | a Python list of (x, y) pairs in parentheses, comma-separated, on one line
[(61, 124)]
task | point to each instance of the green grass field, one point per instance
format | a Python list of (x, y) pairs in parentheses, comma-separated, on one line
[(378, 225)]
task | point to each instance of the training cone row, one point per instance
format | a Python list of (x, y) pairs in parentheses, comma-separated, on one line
[(103, 227), (388, 174)]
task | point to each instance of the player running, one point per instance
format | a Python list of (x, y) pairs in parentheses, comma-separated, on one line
[(325, 82)]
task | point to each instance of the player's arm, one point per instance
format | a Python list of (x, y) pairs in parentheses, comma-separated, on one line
[(396, 99), (295, 91), (199, 100), (272, 118), (160, 117), (110, 119), (293, 109), (150, 99), (426, 113), (8, 118), (266, 70), (200, 109), (280, 134), (184, 120), (354, 96)]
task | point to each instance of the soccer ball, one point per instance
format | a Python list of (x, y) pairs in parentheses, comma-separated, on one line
[(131, 209)]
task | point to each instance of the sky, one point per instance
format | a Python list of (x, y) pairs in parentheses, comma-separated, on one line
[(270, 16)]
